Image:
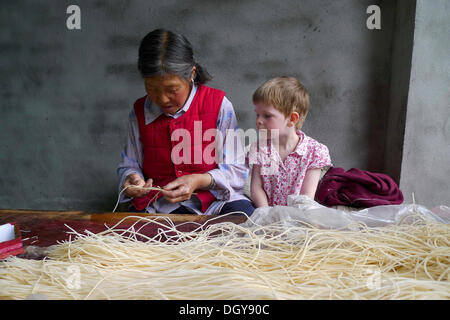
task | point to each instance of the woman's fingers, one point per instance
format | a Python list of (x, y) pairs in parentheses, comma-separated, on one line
[(174, 184), (134, 179), (181, 198), (130, 182), (178, 190), (140, 192), (149, 183)]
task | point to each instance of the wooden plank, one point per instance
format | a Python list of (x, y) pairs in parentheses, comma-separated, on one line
[(45, 227), (7, 215), (44, 214), (108, 217), (176, 218)]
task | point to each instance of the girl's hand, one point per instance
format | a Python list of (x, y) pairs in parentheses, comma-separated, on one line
[(181, 189), (135, 180)]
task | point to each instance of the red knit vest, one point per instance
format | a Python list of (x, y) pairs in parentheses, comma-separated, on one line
[(190, 156)]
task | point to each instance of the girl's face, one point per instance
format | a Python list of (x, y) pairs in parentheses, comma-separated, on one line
[(267, 117), (169, 92)]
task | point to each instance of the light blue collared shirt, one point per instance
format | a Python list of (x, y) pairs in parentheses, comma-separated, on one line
[(229, 177)]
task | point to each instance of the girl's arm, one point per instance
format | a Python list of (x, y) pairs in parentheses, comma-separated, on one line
[(257, 192), (310, 183)]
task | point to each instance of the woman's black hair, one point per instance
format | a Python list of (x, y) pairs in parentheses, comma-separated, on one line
[(164, 52)]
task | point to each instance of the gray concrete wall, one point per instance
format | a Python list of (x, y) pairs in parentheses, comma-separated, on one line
[(425, 167), (65, 95)]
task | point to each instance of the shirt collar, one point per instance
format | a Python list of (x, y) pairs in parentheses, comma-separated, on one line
[(300, 149), (152, 111)]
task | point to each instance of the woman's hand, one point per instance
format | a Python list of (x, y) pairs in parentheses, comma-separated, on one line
[(181, 189), (135, 180)]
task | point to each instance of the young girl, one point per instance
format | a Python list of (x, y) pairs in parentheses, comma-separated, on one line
[(178, 106), (288, 162)]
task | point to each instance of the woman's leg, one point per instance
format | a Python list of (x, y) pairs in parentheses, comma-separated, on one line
[(133, 209), (238, 206), (182, 210), (179, 210)]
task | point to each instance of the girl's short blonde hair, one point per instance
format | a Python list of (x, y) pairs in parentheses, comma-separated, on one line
[(286, 94)]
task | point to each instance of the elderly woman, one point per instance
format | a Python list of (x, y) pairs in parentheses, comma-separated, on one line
[(170, 144)]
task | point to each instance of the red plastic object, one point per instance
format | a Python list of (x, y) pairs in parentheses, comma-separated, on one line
[(12, 247)]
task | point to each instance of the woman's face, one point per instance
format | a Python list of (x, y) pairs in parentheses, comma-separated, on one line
[(169, 92)]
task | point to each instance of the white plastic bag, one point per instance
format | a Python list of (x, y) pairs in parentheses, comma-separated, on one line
[(303, 210)]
